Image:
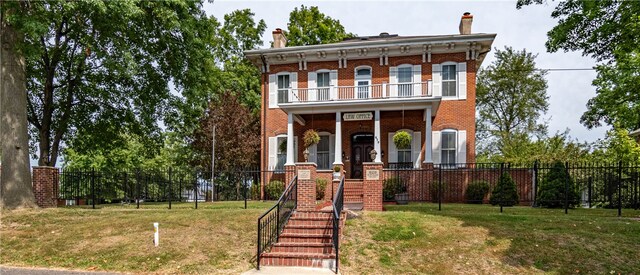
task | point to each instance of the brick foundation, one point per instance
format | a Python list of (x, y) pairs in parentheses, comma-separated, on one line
[(372, 188), (306, 187), (45, 186)]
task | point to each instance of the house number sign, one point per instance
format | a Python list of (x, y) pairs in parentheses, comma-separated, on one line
[(304, 174), (357, 116), (373, 174)]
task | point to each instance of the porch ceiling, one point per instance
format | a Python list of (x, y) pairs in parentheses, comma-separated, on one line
[(363, 105)]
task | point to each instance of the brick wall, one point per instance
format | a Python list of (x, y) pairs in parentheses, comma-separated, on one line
[(306, 187), (372, 188), (451, 114), (45, 186)]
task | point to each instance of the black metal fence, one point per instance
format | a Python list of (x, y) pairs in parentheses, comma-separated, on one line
[(94, 187), (566, 185)]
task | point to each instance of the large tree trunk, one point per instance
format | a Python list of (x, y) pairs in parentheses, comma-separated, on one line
[(15, 182)]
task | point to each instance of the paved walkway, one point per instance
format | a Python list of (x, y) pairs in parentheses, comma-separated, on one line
[(8, 270), (278, 270)]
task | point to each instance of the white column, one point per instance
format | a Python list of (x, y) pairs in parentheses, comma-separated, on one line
[(338, 142), (428, 158), (376, 136), (290, 160)]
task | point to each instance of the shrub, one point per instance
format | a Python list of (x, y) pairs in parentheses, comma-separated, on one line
[(551, 192), (476, 191), (433, 190), (336, 168), (274, 189), (310, 137), (255, 191), (505, 193), (393, 186), (402, 140), (321, 185)]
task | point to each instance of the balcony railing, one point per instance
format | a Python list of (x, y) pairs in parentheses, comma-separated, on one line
[(368, 92)]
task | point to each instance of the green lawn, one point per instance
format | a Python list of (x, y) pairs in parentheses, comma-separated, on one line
[(216, 238), (478, 239)]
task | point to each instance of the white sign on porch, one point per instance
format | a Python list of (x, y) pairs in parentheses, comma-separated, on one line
[(304, 174), (358, 116), (373, 175)]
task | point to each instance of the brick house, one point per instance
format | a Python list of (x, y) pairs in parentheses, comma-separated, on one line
[(359, 92)]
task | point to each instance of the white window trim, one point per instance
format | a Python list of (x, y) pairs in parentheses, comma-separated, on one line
[(455, 149), (457, 96), (328, 135), (404, 66), (278, 150), (278, 89), (368, 78)]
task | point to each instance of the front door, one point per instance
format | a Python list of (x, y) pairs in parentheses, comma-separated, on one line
[(361, 146)]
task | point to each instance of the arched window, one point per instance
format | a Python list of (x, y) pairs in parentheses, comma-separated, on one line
[(363, 81), (405, 78), (449, 79)]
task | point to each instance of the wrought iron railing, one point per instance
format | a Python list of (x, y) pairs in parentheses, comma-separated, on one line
[(272, 222), (338, 203)]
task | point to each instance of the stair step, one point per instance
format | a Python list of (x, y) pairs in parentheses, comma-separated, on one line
[(312, 231), (299, 255), (305, 238), (321, 248), (298, 259)]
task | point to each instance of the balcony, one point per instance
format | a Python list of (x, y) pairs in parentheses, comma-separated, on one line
[(356, 95)]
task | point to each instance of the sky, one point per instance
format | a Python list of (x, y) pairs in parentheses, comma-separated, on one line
[(527, 28)]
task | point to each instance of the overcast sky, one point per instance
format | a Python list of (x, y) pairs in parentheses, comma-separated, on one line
[(525, 28)]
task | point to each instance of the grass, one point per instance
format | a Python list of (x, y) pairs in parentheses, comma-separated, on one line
[(216, 238), (478, 239)]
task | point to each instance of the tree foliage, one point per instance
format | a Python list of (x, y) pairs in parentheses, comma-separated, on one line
[(505, 192), (608, 31), (309, 26), (237, 135), (511, 97), (557, 187), (617, 146)]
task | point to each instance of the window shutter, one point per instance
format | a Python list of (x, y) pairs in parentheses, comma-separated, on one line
[(293, 95), (273, 153), (393, 81), (333, 75), (273, 91), (312, 85), (313, 153), (462, 80), (435, 150), (417, 78), (462, 147), (393, 151), (436, 77), (416, 148), (332, 148), (295, 149)]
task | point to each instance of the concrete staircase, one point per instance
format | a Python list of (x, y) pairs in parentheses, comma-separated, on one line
[(305, 241)]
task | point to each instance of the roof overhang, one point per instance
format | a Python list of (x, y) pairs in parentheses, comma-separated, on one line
[(394, 104)]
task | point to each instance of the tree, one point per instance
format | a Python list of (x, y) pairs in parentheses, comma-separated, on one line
[(505, 192), (237, 135), (607, 31), (546, 149), (511, 97), (15, 181), (308, 26), (557, 187), (617, 146), (108, 66)]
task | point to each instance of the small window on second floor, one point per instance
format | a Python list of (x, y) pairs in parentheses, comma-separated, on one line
[(284, 84), (323, 80), (366, 73), (449, 80)]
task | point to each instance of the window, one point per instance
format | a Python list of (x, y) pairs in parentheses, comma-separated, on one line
[(282, 153), (404, 158), (448, 149), (363, 81), (323, 151), (284, 84), (323, 86), (449, 82), (405, 77)]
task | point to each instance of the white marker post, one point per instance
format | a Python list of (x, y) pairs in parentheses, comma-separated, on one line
[(156, 234)]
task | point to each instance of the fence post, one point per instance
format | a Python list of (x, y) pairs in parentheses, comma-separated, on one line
[(590, 183), (535, 183), (93, 188), (195, 189), (169, 187), (566, 188), (440, 188), (619, 188), (244, 183), (138, 187), (501, 172)]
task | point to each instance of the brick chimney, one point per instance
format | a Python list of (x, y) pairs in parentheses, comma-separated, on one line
[(279, 40), (465, 23)]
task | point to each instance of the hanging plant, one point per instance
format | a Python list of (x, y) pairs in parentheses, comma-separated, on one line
[(310, 137), (402, 140), (283, 146)]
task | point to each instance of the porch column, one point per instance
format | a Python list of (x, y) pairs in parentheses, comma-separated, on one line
[(337, 159), (428, 158), (290, 160), (376, 135)]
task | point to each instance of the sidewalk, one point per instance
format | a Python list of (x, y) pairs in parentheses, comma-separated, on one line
[(281, 270)]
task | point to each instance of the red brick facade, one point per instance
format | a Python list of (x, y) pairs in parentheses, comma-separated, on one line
[(45, 186), (306, 187), (372, 187)]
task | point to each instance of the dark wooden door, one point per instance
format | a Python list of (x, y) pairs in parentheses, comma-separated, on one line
[(361, 146)]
